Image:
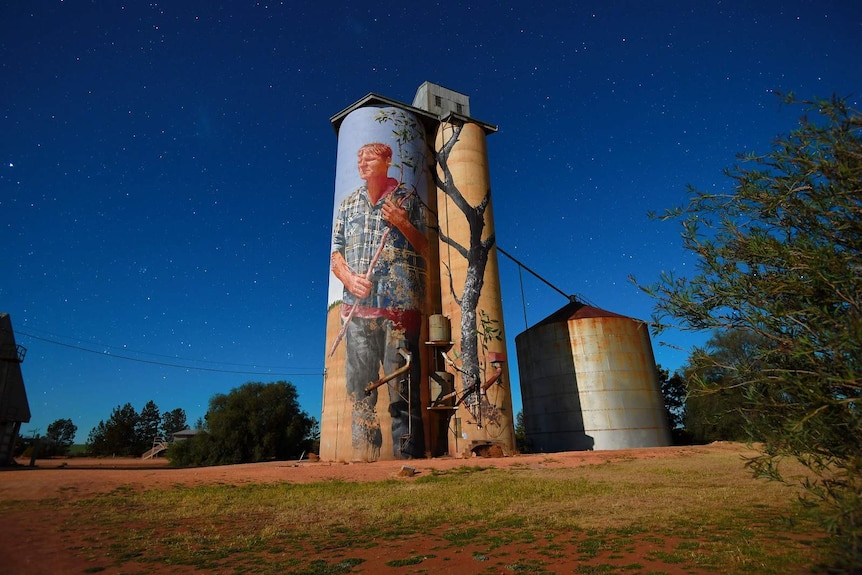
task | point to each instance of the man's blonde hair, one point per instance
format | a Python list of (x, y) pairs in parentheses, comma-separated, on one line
[(378, 149)]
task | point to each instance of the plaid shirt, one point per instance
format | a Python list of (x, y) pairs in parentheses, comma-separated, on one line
[(398, 280)]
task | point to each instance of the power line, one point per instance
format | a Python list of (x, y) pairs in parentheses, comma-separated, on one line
[(574, 298), (546, 282), (161, 363), (53, 337)]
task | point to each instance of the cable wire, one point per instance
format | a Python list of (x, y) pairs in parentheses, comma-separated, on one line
[(161, 363)]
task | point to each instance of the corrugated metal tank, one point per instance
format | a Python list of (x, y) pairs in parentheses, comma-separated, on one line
[(589, 381)]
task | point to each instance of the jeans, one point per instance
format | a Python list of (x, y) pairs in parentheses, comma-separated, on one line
[(370, 343)]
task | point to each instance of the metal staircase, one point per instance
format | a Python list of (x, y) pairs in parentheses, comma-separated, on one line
[(159, 445)]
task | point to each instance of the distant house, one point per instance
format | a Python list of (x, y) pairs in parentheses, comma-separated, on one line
[(14, 408), (184, 434)]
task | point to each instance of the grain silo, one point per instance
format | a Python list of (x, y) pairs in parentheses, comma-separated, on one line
[(381, 260), (400, 262), (589, 381), (470, 282)]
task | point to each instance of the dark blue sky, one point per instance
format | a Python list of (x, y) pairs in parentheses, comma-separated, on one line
[(167, 169)]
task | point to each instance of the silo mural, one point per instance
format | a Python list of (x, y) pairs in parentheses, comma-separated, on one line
[(400, 262), (589, 381), (470, 290), (379, 264)]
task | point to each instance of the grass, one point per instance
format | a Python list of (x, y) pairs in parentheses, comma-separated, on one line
[(698, 514)]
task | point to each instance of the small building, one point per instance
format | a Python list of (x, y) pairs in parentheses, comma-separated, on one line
[(184, 434), (441, 101), (14, 408)]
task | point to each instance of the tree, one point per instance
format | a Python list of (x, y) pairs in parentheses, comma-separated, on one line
[(118, 435), (717, 407), (778, 258), (61, 436), (254, 422), (173, 421), (674, 391), (313, 436), (521, 442), (147, 428)]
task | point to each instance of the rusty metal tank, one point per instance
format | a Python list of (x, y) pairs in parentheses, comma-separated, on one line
[(589, 381)]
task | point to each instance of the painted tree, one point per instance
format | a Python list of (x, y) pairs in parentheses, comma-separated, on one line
[(476, 254), (477, 328), (405, 130)]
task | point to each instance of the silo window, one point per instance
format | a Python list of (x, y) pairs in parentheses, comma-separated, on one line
[(438, 101), (459, 108)]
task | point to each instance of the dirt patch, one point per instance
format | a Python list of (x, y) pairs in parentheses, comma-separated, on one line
[(36, 542), (84, 477)]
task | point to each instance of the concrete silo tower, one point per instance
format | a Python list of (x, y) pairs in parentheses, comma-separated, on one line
[(382, 258), (413, 246), (481, 418)]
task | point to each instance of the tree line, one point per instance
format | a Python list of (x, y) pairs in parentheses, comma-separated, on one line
[(125, 433), (254, 422), (129, 433)]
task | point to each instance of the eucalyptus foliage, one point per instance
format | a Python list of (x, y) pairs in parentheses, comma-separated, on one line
[(62, 435), (778, 257), (254, 422)]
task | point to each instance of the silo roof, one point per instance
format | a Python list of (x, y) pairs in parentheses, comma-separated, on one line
[(429, 120)]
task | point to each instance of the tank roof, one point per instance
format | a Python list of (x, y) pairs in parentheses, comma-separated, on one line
[(577, 310)]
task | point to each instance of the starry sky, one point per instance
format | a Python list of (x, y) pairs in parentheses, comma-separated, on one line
[(167, 168)]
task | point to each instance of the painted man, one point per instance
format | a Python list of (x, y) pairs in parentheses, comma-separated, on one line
[(388, 301)]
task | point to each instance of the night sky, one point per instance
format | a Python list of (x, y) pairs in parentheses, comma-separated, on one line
[(167, 169)]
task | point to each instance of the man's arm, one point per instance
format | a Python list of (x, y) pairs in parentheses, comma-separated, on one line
[(353, 282), (397, 216)]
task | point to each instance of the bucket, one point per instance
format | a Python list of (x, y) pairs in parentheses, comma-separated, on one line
[(439, 329)]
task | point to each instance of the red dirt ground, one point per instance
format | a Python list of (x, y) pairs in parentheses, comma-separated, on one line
[(34, 543)]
